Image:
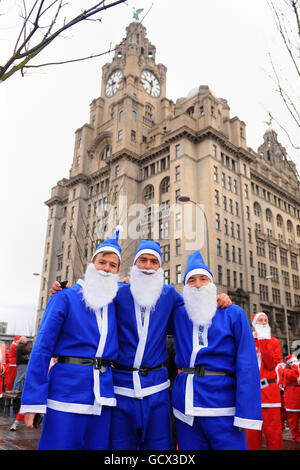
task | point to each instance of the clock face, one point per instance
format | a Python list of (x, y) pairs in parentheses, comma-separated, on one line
[(113, 83), (150, 83)]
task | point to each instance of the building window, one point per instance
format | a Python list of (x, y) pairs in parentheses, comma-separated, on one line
[(228, 277), (149, 192), (214, 150), (178, 221), (133, 116), (215, 174), (219, 249), (218, 223), (177, 150), (177, 173), (167, 276), (121, 116), (165, 252), (274, 274), (263, 293), (260, 248), (178, 274), (262, 270), (283, 257), (120, 134), (117, 171), (133, 135), (220, 276), (165, 185), (177, 196), (59, 262), (296, 283), (178, 246), (216, 197), (276, 295), (294, 261)]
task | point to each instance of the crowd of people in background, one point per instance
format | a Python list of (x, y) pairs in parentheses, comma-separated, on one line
[(228, 390)]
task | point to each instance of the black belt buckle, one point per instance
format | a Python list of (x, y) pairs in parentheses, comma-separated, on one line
[(98, 364), (199, 371), (144, 370)]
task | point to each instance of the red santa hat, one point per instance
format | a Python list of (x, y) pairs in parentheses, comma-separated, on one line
[(255, 317), (290, 358), (16, 338)]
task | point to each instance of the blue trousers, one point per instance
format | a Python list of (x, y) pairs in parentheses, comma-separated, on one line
[(142, 424), (210, 433), (73, 431), (20, 378)]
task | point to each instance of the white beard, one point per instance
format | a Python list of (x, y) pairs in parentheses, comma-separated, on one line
[(146, 288), (200, 304), (262, 331), (99, 288)]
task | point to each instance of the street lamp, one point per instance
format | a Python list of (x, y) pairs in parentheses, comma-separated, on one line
[(285, 320), (185, 198)]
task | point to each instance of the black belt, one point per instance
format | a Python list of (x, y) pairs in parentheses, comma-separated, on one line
[(144, 370), (97, 362), (200, 371), (292, 385), (265, 382)]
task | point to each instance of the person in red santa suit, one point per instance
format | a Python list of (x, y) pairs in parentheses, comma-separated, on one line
[(12, 366), (268, 350), (291, 377), (279, 371), (2, 366)]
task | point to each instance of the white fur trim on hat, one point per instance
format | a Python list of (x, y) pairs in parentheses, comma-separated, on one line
[(109, 249), (257, 315), (147, 251), (198, 271)]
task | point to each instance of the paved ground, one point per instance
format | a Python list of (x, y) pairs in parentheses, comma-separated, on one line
[(27, 439)]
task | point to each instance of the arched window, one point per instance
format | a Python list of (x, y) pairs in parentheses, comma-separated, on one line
[(256, 208), (268, 215), (165, 185), (279, 221), (148, 192), (289, 226)]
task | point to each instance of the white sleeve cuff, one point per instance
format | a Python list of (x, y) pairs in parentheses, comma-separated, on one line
[(33, 409), (247, 423)]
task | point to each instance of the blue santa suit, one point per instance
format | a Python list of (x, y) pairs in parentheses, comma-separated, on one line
[(77, 399), (142, 416), (209, 410)]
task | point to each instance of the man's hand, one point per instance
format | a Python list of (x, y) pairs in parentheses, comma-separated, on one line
[(29, 417), (126, 280), (223, 301), (56, 287)]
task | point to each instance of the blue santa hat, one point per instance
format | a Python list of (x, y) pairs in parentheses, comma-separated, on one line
[(149, 247), (196, 265), (111, 244)]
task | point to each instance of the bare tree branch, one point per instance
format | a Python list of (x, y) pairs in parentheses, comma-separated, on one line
[(24, 52)]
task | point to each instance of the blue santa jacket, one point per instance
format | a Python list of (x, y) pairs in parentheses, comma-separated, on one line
[(69, 328), (142, 341), (227, 345)]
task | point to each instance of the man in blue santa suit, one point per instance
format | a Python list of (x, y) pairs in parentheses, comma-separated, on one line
[(217, 394), (79, 329), (141, 419)]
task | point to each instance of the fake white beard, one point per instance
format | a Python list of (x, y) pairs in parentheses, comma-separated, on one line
[(99, 288), (262, 331), (146, 288), (200, 303)]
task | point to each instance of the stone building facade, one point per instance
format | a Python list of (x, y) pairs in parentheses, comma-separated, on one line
[(140, 153)]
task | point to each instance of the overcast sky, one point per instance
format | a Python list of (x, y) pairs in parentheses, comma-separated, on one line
[(220, 43)]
